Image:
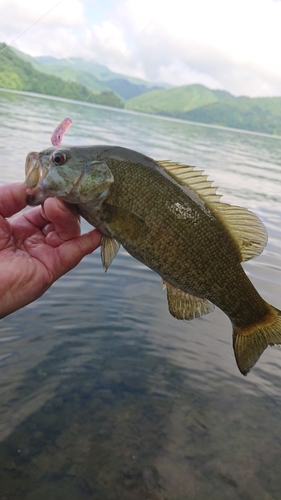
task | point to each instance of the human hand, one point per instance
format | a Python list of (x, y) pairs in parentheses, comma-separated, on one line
[(36, 246)]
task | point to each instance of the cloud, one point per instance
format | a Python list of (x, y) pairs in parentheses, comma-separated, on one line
[(104, 42), (16, 14), (42, 25), (231, 45)]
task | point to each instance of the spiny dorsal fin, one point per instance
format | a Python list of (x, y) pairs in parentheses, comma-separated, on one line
[(245, 227), (186, 175)]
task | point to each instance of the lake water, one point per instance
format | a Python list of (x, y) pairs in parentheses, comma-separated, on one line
[(103, 395)]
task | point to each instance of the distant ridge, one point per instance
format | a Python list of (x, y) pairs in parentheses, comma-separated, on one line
[(176, 101), (200, 104), (75, 78), (96, 77), (260, 114), (18, 73)]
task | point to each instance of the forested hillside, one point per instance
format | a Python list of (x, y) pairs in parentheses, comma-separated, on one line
[(17, 74)]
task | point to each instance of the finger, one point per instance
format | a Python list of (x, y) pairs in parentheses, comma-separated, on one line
[(49, 228), (65, 220), (90, 241), (52, 238), (36, 217), (12, 198), (71, 252)]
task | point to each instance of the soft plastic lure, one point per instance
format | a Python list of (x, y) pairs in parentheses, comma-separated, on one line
[(60, 131)]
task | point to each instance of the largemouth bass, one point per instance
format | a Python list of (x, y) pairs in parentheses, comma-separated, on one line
[(169, 217)]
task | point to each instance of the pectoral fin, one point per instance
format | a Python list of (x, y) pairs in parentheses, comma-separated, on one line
[(182, 305), (109, 248)]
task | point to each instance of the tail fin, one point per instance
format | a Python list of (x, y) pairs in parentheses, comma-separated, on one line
[(249, 343)]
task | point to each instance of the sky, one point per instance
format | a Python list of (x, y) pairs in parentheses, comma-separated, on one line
[(233, 45)]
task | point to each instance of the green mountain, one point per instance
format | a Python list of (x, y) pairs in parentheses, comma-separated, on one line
[(69, 74), (200, 104), (19, 74), (96, 77), (102, 77), (175, 101), (260, 114), (67, 70)]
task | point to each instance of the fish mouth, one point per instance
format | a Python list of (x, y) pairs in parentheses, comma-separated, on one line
[(37, 196), (35, 174)]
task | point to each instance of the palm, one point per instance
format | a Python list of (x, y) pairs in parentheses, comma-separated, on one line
[(36, 247)]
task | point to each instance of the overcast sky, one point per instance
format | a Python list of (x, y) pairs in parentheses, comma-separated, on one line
[(233, 45)]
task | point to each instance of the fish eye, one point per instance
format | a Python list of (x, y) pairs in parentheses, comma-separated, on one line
[(58, 158)]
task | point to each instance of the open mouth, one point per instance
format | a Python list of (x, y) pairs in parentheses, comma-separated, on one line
[(32, 170), (35, 175)]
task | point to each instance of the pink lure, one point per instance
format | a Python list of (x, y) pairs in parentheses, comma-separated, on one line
[(60, 131)]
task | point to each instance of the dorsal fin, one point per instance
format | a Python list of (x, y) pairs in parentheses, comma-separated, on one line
[(186, 175), (245, 227)]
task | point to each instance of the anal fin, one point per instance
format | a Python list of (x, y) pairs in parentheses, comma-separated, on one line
[(183, 305)]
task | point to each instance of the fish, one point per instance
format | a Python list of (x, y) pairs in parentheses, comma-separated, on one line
[(168, 216)]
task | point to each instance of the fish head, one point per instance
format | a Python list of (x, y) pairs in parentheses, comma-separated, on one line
[(66, 173)]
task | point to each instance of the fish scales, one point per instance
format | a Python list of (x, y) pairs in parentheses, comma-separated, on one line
[(161, 214), (168, 241)]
